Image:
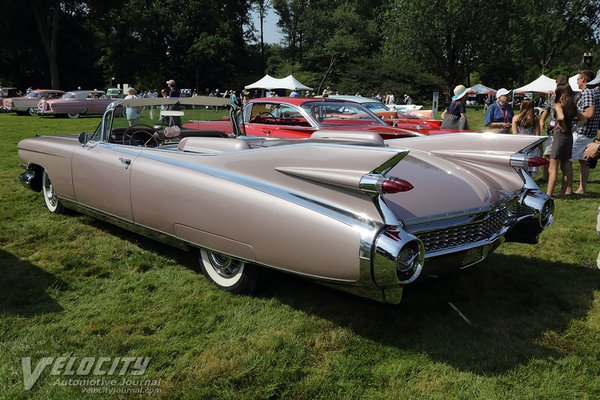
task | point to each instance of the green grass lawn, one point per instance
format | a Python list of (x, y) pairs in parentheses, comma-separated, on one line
[(77, 287)]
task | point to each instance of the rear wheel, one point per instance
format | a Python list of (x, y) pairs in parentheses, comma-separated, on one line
[(52, 201), (229, 274), (73, 115)]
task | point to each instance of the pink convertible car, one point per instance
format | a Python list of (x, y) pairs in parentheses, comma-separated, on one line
[(28, 104), (341, 207), (75, 104)]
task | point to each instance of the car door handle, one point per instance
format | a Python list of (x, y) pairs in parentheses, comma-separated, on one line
[(125, 161)]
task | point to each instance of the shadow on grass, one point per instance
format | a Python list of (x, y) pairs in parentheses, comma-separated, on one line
[(509, 303), (185, 258), (24, 288)]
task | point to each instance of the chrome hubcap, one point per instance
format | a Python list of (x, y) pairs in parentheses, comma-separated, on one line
[(49, 191), (225, 266)]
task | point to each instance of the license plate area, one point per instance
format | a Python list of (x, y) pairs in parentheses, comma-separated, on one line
[(472, 256)]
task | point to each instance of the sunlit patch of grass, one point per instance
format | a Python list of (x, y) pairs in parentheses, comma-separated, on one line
[(72, 285)]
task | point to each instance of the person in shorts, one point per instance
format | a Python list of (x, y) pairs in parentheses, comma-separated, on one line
[(589, 106)]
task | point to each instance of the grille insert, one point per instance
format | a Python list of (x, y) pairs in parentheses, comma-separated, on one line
[(490, 225)]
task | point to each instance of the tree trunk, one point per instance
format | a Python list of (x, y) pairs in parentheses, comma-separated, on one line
[(326, 73), (50, 43), (262, 39)]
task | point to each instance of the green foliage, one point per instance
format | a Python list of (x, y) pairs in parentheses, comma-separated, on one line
[(373, 75), (207, 44)]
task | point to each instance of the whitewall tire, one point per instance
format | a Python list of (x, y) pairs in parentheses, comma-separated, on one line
[(229, 274), (52, 201)]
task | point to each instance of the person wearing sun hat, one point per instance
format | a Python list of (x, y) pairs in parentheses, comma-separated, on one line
[(455, 116), (500, 114)]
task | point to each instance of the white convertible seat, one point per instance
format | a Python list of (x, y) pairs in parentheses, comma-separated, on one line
[(363, 138), (211, 145)]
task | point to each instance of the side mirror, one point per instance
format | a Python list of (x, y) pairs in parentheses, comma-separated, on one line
[(83, 138)]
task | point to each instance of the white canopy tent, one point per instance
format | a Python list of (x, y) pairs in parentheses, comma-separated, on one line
[(543, 84), (481, 89), (573, 83), (292, 83), (596, 80), (268, 82)]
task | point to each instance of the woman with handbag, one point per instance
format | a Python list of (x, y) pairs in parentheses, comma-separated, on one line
[(455, 116)]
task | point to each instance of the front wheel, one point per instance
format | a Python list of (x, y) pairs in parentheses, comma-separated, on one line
[(52, 201), (73, 115), (232, 275), (31, 111)]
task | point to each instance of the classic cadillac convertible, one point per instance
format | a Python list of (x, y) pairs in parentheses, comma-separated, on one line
[(347, 209)]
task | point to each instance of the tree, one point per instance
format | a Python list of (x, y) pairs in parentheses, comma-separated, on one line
[(291, 14), (335, 37), (545, 30), (445, 37), (47, 20), (262, 7), (49, 16)]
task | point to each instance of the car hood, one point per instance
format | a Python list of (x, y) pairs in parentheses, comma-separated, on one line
[(444, 187)]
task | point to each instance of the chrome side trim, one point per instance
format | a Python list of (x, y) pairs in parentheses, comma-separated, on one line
[(387, 166)]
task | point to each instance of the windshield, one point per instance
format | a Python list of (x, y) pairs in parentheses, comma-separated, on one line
[(159, 117), (341, 114), (68, 95), (376, 106), (32, 95)]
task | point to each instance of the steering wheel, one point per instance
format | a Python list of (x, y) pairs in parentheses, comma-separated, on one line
[(141, 135), (266, 114)]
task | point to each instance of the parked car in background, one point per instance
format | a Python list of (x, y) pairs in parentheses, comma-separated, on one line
[(6, 92), (398, 118), (342, 206), (28, 104), (115, 93), (296, 117), (76, 103)]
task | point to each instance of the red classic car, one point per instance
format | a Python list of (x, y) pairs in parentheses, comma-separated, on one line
[(28, 104), (76, 103), (293, 117)]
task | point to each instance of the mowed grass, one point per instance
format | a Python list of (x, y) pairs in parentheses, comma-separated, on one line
[(74, 286)]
